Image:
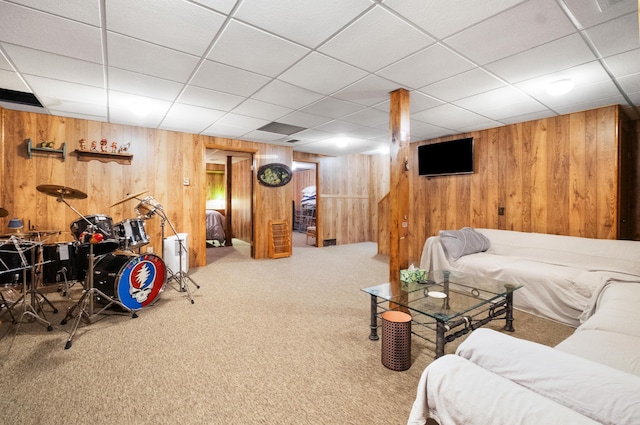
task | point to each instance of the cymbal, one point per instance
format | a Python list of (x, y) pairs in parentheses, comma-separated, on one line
[(61, 191), (3, 212), (132, 196)]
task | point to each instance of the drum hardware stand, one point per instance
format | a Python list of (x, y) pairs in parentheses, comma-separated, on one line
[(85, 304), (30, 295), (181, 277)]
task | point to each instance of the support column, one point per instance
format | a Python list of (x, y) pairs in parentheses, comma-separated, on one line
[(399, 123)]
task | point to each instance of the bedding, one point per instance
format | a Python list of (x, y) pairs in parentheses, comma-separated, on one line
[(215, 223)]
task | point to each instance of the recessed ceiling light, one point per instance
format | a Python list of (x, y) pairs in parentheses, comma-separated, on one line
[(560, 87)]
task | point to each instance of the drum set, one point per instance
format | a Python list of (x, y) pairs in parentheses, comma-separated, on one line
[(102, 257)]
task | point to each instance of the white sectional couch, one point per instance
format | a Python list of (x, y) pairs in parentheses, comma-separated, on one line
[(591, 377), (561, 275)]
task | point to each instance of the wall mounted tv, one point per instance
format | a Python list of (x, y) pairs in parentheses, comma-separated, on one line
[(446, 158)]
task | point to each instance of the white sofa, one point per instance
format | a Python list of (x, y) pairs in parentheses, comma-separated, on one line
[(561, 275), (591, 377)]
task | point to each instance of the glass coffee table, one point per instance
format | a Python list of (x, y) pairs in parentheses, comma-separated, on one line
[(449, 303)]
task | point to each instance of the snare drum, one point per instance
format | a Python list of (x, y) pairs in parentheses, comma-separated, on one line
[(131, 234), (136, 281), (103, 223)]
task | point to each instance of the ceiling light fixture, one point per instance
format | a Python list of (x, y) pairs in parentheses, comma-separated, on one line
[(139, 109), (560, 87)]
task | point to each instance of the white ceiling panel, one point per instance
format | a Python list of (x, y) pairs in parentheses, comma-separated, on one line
[(224, 78), (443, 18), (182, 117), (45, 64), (613, 37), (308, 22), (247, 47), (227, 67), (150, 59), (428, 66), (563, 53), (143, 85), (178, 25), (463, 85), (332, 108), (322, 74), (26, 27), (376, 40), (501, 103), (198, 96), (523, 27)]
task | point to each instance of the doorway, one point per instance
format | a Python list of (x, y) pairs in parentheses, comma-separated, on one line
[(229, 198), (305, 209)]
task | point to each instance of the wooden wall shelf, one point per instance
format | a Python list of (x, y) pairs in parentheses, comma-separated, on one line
[(121, 158), (31, 149)]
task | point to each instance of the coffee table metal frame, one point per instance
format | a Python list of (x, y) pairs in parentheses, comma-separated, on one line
[(470, 302)]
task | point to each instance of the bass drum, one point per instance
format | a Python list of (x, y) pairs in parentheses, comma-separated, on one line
[(136, 281)]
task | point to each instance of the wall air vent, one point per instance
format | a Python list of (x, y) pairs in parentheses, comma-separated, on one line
[(281, 128), (23, 98)]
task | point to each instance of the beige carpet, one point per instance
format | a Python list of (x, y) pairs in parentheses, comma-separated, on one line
[(266, 342)]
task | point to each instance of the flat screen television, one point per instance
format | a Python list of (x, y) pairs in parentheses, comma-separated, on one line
[(446, 158)]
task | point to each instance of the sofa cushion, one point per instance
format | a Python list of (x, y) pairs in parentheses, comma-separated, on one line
[(605, 394), (461, 242), (612, 349)]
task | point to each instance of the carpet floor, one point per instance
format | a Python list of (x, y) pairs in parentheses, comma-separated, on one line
[(265, 342)]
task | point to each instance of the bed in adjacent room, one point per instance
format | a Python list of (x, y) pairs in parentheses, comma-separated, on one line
[(215, 222)]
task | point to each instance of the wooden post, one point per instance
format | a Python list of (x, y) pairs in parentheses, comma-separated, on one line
[(399, 186), (228, 239)]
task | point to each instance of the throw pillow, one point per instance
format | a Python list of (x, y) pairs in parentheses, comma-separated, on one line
[(457, 243)]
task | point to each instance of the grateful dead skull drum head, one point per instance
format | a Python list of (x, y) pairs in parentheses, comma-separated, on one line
[(136, 281)]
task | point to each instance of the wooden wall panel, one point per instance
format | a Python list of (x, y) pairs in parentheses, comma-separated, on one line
[(242, 188), (300, 180), (555, 175)]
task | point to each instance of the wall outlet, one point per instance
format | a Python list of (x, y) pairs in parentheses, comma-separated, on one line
[(500, 210), (186, 181)]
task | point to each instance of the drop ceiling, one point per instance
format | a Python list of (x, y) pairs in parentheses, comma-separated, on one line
[(227, 68)]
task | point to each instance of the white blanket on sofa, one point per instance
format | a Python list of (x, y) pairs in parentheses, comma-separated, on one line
[(561, 275)]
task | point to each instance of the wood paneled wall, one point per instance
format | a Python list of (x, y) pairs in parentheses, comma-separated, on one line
[(556, 175), (241, 191), (300, 180), (161, 159)]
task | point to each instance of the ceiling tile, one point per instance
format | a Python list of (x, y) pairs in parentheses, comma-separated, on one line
[(259, 109), (179, 25), (590, 104), (86, 11), (614, 37), (285, 94), (332, 108), (466, 84), (308, 22), (186, 118), (121, 104), (523, 27), (223, 6), (445, 18), (44, 64), (449, 116), (376, 40), (242, 121), (11, 81), (60, 91), (145, 58), (224, 78), (257, 50), (322, 74), (624, 63), (143, 85), (501, 103), (428, 66), (630, 83), (197, 96), (220, 130), (24, 27), (588, 13), (563, 53), (338, 127), (303, 119), (368, 117), (422, 131), (369, 91)]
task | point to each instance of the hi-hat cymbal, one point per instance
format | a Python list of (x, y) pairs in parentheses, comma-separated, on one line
[(61, 191), (3, 212), (132, 196)]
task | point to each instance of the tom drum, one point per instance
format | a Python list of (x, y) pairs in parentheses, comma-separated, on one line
[(103, 223), (131, 234)]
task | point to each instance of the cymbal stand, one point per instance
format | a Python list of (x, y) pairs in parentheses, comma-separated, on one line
[(181, 277), (85, 304), (30, 295)]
